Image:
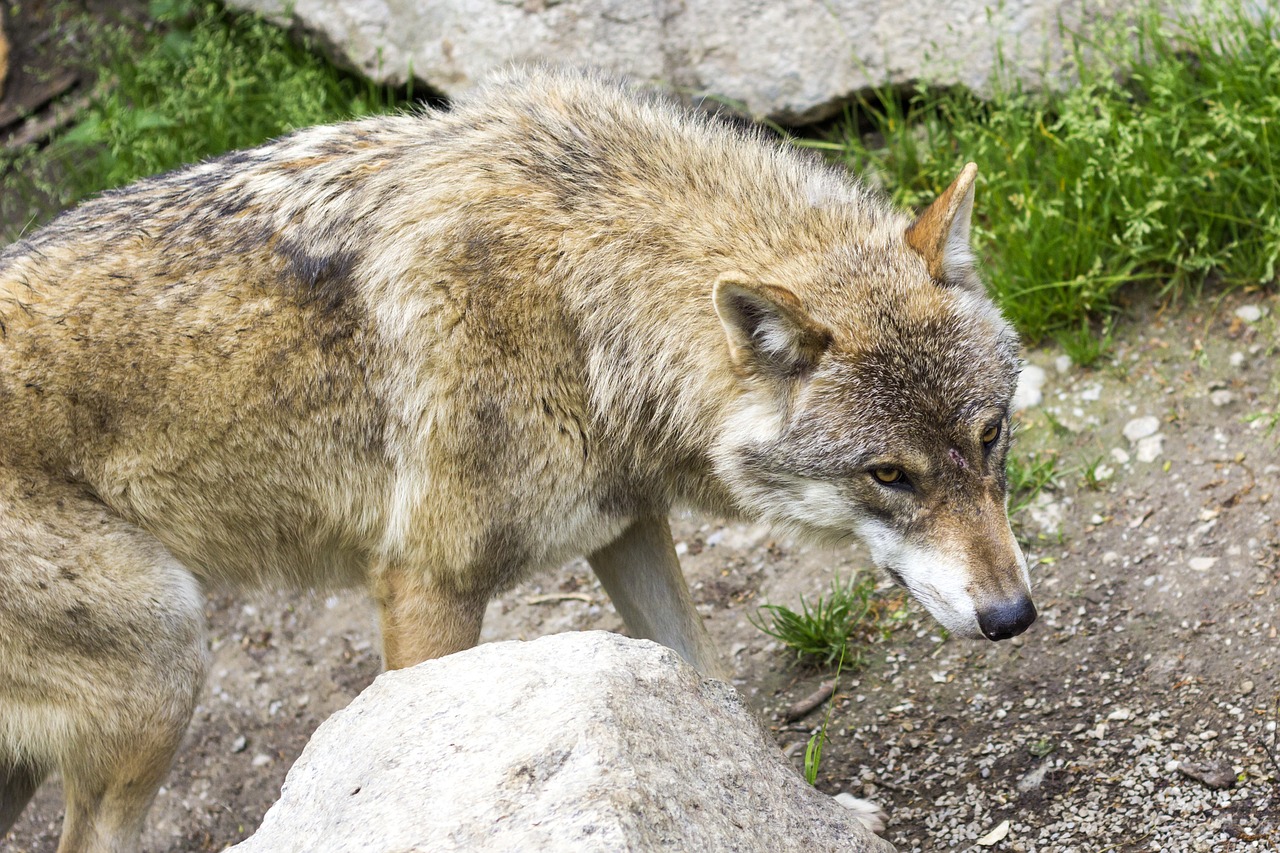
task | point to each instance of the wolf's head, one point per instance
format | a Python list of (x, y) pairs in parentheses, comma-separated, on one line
[(876, 379)]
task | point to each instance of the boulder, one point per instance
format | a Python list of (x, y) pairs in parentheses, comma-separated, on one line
[(582, 741), (792, 61)]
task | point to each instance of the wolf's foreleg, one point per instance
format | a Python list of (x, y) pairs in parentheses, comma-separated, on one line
[(641, 573), (422, 618)]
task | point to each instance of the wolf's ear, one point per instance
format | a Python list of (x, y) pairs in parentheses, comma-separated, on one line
[(941, 233), (768, 329)]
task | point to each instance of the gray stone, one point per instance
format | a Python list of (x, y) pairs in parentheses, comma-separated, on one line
[(1215, 773), (1249, 313), (1149, 448), (580, 741), (1140, 428), (792, 61), (1030, 390)]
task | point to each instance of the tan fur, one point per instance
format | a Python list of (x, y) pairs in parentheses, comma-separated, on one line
[(431, 354)]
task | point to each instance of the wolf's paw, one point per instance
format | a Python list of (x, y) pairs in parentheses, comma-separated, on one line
[(868, 813)]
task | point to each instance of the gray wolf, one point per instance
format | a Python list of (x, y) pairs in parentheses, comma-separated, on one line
[(429, 354)]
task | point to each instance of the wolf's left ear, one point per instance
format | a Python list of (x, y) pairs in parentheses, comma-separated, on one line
[(768, 329), (941, 234)]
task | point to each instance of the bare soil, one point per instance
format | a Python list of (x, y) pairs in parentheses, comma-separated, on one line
[(1156, 645), (1156, 650)]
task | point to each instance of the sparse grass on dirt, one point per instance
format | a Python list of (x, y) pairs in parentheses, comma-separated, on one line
[(202, 81), (1029, 474), (828, 631), (1167, 176)]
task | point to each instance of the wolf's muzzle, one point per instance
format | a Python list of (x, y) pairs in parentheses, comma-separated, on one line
[(1007, 619)]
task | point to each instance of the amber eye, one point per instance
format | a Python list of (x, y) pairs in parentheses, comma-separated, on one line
[(992, 433), (888, 476)]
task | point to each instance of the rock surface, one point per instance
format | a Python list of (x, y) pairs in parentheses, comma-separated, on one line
[(581, 741), (792, 61)]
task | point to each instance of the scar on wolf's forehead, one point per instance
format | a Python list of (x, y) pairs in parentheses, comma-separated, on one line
[(958, 458)]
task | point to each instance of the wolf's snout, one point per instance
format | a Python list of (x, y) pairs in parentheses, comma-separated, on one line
[(1007, 619)]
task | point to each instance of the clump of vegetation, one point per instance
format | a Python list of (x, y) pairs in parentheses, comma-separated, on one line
[(819, 738), (1028, 475), (1166, 175), (203, 81), (821, 634)]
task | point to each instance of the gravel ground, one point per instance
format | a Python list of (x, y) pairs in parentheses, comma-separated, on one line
[(1138, 714)]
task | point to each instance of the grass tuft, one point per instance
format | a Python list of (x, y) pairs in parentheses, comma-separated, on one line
[(820, 634), (1168, 177), (1028, 476), (203, 81)]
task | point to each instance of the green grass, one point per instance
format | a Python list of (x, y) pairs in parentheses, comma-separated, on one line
[(818, 740), (202, 82), (1167, 178), (821, 634), (1028, 476)]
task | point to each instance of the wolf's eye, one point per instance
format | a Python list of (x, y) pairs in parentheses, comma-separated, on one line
[(888, 476), (989, 437)]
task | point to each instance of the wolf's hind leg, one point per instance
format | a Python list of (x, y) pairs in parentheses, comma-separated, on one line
[(641, 573), (101, 659)]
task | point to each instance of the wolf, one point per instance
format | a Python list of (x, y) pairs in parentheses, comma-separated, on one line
[(428, 354)]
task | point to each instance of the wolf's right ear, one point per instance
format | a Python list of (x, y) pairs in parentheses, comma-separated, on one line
[(768, 329), (941, 233)]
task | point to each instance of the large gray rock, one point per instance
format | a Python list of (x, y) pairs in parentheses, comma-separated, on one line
[(789, 60), (577, 742)]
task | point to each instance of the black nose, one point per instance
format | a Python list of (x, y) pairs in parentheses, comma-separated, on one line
[(1007, 619)]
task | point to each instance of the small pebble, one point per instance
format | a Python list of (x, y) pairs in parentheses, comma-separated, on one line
[(1249, 313), (1120, 456), (1236, 359), (1221, 397), (1216, 774), (1140, 428), (1246, 687), (261, 760), (1150, 448), (239, 744), (1201, 564)]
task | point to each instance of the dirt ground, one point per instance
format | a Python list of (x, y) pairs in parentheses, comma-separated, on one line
[(1156, 646), (1154, 666)]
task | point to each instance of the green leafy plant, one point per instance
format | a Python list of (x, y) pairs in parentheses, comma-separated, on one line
[(820, 633), (1166, 176), (203, 82), (1028, 476), (1092, 474), (1041, 747), (817, 740)]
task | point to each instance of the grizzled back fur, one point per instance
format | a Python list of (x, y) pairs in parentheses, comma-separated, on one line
[(429, 354)]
